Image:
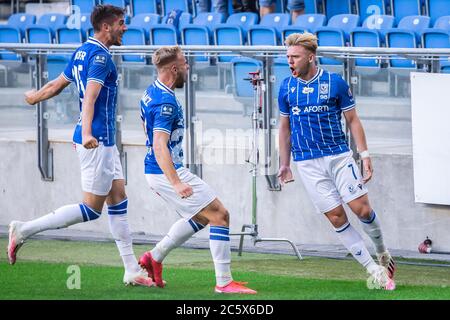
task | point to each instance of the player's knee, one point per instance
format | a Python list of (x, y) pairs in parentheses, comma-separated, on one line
[(337, 220), (221, 217), (364, 211)]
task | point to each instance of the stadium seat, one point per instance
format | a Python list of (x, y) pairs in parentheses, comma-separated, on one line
[(145, 21), (163, 35), (362, 37), (442, 23), (437, 9), (330, 38), (404, 8), (134, 36), (196, 35), (286, 31), (85, 6), (280, 69), (69, 36), (39, 34), (82, 23), (415, 24), (10, 35), (169, 5), (342, 22), (310, 21), (228, 35), (432, 38), (401, 39), (54, 21), (143, 6), (380, 23), (335, 7), (367, 8), (209, 19), (268, 32), (21, 21), (243, 19), (242, 89)]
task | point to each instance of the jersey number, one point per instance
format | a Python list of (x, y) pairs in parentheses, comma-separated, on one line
[(80, 86)]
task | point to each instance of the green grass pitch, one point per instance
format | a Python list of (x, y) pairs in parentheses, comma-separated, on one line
[(41, 273)]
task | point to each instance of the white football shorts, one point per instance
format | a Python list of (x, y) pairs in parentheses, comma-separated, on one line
[(202, 195), (99, 167), (331, 180)]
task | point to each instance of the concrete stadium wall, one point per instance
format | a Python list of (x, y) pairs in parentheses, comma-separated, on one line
[(290, 214)]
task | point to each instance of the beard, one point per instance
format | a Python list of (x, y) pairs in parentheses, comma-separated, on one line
[(179, 83)]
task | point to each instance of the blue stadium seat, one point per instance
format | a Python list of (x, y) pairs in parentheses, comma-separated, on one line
[(401, 39), (437, 9), (169, 5), (243, 90), (196, 35), (143, 6), (134, 36), (85, 6), (404, 8), (335, 7), (209, 19), (380, 23), (268, 32), (362, 37), (342, 22), (330, 38), (39, 34), (442, 23), (415, 24), (280, 69), (228, 35), (10, 35), (432, 38), (145, 21), (82, 23), (367, 8), (285, 32), (56, 65), (163, 35), (243, 19), (21, 21), (69, 36), (52, 20), (310, 21)]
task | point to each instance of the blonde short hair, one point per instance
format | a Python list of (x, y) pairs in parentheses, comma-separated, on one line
[(306, 40), (165, 55)]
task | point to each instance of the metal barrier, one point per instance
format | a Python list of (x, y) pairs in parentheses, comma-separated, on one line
[(427, 60)]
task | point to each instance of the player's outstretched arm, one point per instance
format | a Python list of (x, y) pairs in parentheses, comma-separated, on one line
[(285, 173), (51, 89), (90, 96), (164, 159), (357, 131)]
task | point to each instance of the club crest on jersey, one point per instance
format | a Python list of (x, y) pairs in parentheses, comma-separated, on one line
[(296, 111), (166, 110), (351, 188), (100, 59), (307, 90), (324, 88)]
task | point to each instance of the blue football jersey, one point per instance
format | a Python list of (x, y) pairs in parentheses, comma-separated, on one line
[(314, 109), (92, 62), (161, 111)]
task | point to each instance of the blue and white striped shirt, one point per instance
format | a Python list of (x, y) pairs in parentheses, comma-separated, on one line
[(161, 111), (314, 109), (92, 62)]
